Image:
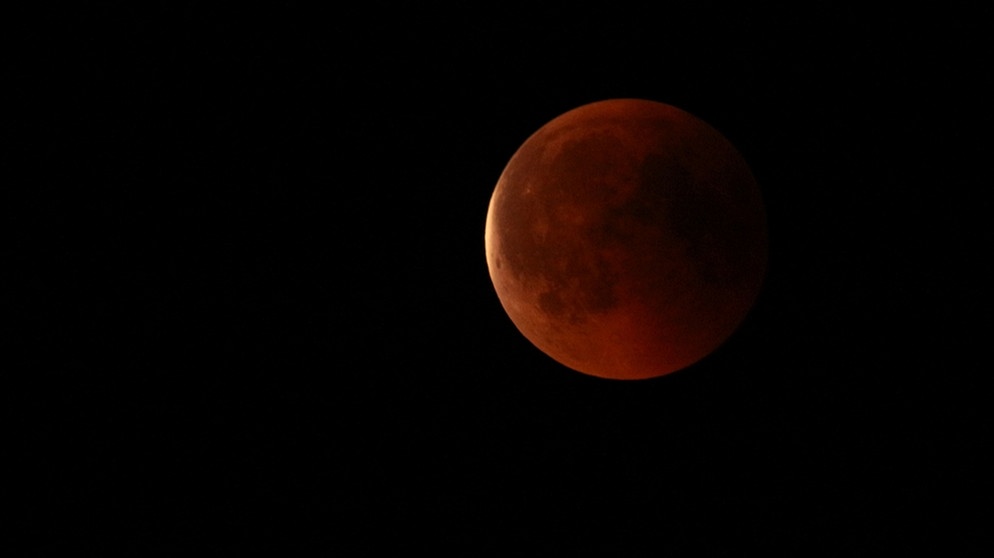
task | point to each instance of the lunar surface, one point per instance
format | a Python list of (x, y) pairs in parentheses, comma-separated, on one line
[(626, 239)]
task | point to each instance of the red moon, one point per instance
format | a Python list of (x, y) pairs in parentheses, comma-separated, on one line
[(626, 239)]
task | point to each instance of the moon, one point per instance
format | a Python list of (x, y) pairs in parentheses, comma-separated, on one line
[(626, 239)]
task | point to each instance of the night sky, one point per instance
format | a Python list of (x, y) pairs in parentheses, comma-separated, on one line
[(246, 306)]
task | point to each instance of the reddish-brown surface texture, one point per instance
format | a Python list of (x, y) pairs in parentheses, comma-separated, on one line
[(626, 239)]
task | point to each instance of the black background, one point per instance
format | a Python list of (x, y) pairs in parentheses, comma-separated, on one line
[(246, 306)]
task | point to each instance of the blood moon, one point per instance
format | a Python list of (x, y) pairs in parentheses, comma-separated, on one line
[(626, 239)]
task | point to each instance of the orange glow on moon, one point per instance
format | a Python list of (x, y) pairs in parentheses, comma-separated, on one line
[(626, 239)]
